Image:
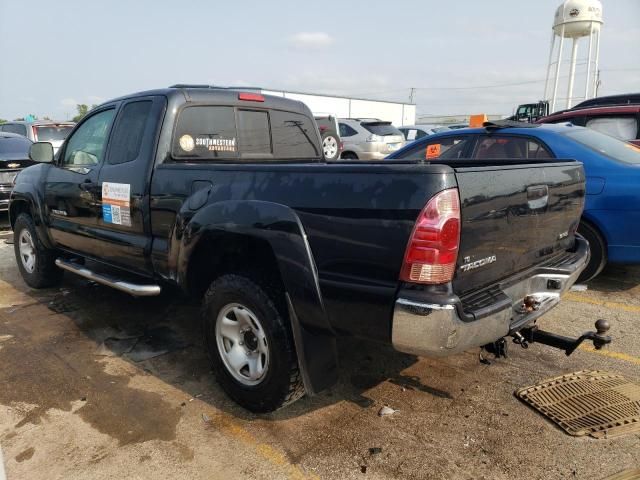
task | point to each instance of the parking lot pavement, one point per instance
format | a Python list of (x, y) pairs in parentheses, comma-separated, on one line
[(72, 407)]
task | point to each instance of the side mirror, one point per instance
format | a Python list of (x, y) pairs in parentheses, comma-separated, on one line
[(41, 152)]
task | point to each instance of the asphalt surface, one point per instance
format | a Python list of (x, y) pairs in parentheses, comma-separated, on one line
[(95, 384)]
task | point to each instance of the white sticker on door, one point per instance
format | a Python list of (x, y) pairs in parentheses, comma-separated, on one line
[(116, 207)]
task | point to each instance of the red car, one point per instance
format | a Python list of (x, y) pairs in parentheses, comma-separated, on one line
[(620, 121)]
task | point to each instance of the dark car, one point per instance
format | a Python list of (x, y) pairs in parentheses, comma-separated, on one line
[(620, 121), (227, 194), (611, 218), (14, 156)]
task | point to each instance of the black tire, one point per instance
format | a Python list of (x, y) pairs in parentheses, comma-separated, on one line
[(330, 145), (281, 384), (44, 272), (349, 156), (598, 248)]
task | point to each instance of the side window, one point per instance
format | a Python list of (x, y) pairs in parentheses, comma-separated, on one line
[(624, 127), (444, 148), (254, 134), (497, 147), (205, 133), (86, 146), (128, 132), (294, 136), (15, 128), (537, 150), (506, 147), (346, 130)]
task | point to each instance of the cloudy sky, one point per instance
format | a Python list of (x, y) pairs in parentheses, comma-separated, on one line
[(462, 56)]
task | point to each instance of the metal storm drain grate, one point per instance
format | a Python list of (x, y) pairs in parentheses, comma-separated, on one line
[(588, 402)]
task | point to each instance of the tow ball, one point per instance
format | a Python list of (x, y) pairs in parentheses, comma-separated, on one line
[(533, 334)]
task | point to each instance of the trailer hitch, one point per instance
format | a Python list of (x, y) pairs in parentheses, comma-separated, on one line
[(533, 334)]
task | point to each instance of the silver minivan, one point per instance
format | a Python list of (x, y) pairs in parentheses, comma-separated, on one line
[(368, 138), (40, 131)]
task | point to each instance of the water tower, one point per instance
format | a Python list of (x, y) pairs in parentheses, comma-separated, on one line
[(574, 19)]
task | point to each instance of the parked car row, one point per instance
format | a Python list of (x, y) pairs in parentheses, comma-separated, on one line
[(40, 131), (14, 156)]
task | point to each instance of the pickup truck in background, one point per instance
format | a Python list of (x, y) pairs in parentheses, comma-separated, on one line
[(227, 195)]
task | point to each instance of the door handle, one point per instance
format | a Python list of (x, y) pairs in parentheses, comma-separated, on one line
[(87, 185)]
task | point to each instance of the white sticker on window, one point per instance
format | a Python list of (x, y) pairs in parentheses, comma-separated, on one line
[(116, 203)]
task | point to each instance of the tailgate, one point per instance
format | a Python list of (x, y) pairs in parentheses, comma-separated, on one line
[(514, 217)]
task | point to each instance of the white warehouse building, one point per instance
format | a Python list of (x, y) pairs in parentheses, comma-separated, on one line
[(398, 114)]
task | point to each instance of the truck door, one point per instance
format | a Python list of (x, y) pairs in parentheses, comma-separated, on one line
[(123, 223), (72, 192)]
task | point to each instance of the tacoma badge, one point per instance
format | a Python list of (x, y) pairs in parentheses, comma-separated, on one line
[(477, 264)]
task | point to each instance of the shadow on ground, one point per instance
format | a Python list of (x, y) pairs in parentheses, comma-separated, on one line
[(161, 335)]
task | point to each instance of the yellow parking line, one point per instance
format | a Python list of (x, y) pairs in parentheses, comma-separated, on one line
[(619, 306), (611, 354), (228, 426)]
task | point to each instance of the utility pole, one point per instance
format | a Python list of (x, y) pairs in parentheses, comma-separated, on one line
[(412, 92), (598, 83)]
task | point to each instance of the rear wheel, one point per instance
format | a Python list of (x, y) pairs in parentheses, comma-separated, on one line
[(330, 146), (349, 156), (35, 262), (250, 345), (598, 248)]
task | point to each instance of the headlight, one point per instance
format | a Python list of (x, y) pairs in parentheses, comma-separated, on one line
[(8, 178)]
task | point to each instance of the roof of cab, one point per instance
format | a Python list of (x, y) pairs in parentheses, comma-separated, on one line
[(211, 94)]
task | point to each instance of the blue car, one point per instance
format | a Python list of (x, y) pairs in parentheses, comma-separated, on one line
[(611, 219)]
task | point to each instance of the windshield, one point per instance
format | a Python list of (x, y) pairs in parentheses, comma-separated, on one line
[(381, 128), (14, 147), (606, 145), (52, 133)]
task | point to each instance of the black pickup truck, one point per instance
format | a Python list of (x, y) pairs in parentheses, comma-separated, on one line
[(227, 195)]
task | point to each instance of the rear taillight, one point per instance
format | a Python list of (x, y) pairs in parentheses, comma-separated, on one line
[(35, 133), (432, 250)]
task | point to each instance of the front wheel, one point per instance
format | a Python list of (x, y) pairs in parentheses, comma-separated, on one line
[(598, 248), (250, 345), (35, 262)]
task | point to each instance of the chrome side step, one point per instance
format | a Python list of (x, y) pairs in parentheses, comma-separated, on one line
[(127, 287)]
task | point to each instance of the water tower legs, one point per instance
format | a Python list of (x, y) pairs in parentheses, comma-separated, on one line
[(546, 82), (557, 77), (572, 71)]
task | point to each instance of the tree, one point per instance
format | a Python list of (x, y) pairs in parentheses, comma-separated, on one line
[(2, 120), (83, 109)]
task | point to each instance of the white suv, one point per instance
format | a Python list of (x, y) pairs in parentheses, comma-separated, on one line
[(368, 138)]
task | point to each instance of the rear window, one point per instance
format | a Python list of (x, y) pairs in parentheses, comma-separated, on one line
[(294, 136), (14, 147), (52, 133), (622, 127), (254, 134), (381, 128), (18, 128), (606, 145), (206, 132), (210, 132)]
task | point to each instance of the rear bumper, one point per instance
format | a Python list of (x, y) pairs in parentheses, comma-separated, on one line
[(438, 324)]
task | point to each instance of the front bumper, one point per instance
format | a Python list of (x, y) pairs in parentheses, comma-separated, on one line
[(437, 325)]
